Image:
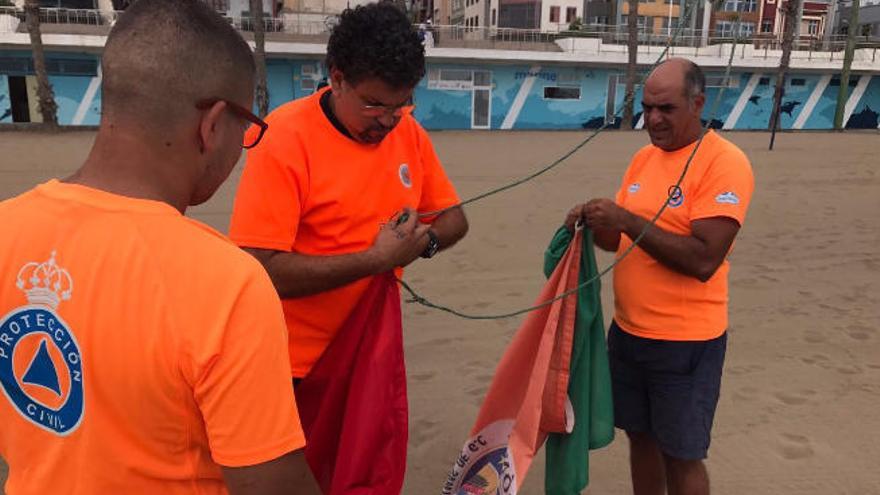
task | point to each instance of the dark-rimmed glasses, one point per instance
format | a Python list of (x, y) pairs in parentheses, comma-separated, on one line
[(252, 137)]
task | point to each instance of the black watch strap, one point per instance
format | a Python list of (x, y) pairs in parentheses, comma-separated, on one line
[(433, 245)]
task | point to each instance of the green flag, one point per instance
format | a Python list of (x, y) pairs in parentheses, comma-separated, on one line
[(589, 388)]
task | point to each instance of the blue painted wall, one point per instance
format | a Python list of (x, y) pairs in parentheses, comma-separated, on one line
[(5, 102), (452, 108), (867, 113)]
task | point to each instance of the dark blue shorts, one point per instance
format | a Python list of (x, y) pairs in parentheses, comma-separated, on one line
[(666, 388)]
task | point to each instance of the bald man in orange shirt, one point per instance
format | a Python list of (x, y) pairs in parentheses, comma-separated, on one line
[(667, 342)]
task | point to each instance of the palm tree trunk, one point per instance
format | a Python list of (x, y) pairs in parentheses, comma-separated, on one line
[(262, 95), (843, 91), (45, 95), (632, 47), (790, 10)]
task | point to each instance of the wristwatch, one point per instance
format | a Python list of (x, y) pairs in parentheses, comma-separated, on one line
[(433, 245)]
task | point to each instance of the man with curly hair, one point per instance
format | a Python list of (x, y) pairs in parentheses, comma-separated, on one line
[(315, 199)]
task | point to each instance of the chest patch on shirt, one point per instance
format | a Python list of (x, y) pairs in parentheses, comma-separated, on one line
[(676, 196), (404, 174), (40, 360), (634, 188)]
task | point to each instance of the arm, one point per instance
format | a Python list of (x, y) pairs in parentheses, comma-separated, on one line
[(698, 255), (300, 275), (286, 475), (450, 227)]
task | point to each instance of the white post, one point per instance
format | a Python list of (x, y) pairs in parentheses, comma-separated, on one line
[(707, 18), (105, 7), (669, 22)]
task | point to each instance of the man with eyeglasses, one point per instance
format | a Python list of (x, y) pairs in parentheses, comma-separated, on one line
[(140, 351), (335, 167)]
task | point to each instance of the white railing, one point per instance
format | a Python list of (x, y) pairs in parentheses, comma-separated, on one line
[(458, 36)]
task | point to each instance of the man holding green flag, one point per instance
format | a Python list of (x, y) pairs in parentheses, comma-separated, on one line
[(589, 389)]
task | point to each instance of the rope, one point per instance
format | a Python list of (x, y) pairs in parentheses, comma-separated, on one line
[(419, 299), (583, 143)]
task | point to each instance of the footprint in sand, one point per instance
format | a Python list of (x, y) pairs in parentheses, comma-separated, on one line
[(477, 392), (859, 332), (819, 359), (513, 294), (423, 377), (422, 431), (812, 337), (850, 370), (472, 367), (794, 398), (746, 369), (794, 447), (440, 341), (746, 394)]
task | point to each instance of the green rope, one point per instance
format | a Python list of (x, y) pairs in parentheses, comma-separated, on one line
[(419, 299), (580, 145)]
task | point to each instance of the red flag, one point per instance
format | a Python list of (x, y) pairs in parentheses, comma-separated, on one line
[(352, 404)]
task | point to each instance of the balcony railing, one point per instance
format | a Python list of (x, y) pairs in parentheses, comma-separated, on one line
[(314, 27)]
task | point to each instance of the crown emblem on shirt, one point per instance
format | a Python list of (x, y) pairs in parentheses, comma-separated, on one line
[(45, 283)]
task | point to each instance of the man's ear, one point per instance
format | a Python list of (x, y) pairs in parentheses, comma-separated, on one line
[(209, 127)]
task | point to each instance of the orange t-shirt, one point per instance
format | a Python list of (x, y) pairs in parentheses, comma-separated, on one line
[(306, 188), (651, 300), (139, 349)]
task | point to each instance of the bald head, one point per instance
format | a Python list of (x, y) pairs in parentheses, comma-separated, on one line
[(672, 103), (678, 73), (163, 56)]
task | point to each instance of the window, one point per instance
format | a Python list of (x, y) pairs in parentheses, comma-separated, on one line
[(720, 82), (570, 14), (725, 29), (459, 79), (494, 17), (641, 20), (554, 14), (767, 26), (562, 93), (482, 78), (810, 27), (476, 21), (666, 25), (798, 82), (764, 81), (740, 6), (307, 84)]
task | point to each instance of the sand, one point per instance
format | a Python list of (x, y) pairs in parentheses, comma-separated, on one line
[(801, 389)]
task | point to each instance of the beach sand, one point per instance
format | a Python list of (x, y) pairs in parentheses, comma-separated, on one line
[(801, 389)]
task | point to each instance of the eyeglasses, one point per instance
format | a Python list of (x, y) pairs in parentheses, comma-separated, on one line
[(253, 135), (376, 111), (383, 110)]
